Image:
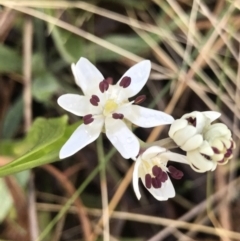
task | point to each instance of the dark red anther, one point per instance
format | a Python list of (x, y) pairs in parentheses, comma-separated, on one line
[(192, 121), (164, 177), (87, 119), (109, 80), (125, 82), (175, 173), (140, 99), (94, 100), (103, 85), (215, 150), (156, 171), (117, 116), (156, 182), (148, 181), (228, 153)]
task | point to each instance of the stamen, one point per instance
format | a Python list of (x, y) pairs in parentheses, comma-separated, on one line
[(215, 150), (94, 100), (87, 119), (109, 80), (192, 120), (125, 82), (156, 171), (117, 116), (228, 153), (140, 99), (148, 181), (156, 182), (163, 177), (103, 85), (175, 173)]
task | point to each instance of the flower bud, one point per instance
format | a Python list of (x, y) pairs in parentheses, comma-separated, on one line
[(206, 144)]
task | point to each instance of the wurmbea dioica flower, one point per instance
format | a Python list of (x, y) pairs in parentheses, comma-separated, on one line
[(105, 107), (206, 144), (151, 167)]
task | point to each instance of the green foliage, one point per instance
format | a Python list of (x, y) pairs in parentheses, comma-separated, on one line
[(133, 43), (12, 119), (41, 145), (44, 86), (10, 60)]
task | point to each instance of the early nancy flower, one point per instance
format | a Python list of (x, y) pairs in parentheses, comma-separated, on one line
[(151, 167), (206, 144), (105, 107)]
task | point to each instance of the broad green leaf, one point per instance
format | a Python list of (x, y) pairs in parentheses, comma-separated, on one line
[(68, 44), (12, 119), (42, 133), (132, 43), (41, 153), (38, 64), (10, 60), (44, 86)]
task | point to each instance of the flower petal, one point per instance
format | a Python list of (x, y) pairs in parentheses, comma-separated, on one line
[(76, 104), (192, 143), (145, 117), (181, 136), (164, 193), (199, 162), (139, 74), (135, 178), (122, 138), (152, 152), (87, 76), (171, 156), (177, 125), (81, 137), (212, 115)]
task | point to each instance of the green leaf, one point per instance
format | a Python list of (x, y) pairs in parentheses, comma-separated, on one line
[(46, 147), (10, 60), (132, 43), (68, 44), (12, 119), (44, 86)]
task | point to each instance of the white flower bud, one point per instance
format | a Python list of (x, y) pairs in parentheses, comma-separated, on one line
[(206, 144)]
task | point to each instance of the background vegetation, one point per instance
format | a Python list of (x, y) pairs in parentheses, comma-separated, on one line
[(195, 54)]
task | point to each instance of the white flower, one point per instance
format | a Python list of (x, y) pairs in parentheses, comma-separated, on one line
[(106, 107), (151, 167), (206, 144)]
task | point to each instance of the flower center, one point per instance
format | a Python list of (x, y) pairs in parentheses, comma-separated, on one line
[(110, 107)]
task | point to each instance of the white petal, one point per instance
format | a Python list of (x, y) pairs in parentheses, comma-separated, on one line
[(76, 104), (152, 152), (164, 193), (171, 156), (81, 137), (201, 163), (201, 120), (135, 178), (122, 138), (87, 76), (145, 117), (177, 125), (212, 115), (139, 74), (181, 136), (193, 143)]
